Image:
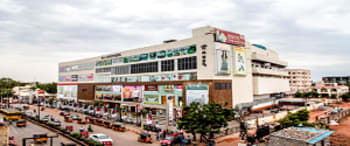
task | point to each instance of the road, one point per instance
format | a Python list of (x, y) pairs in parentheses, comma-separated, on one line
[(29, 130), (119, 138)]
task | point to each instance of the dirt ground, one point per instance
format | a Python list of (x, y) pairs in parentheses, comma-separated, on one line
[(341, 135)]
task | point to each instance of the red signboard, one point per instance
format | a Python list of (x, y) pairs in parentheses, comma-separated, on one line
[(151, 87), (229, 37)]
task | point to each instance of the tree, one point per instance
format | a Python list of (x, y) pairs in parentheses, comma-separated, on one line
[(298, 94), (294, 119), (48, 87), (206, 120), (346, 96)]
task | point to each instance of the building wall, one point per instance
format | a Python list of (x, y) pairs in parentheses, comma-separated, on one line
[(269, 85), (299, 80)]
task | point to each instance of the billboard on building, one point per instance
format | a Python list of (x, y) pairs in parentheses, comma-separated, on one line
[(223, 59), (197, 93), (240, 61), (229, 37), (132, 92), (110, 92), (67, 92)]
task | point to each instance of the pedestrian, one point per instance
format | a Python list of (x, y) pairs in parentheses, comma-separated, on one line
[(157, 135), (182, 140), (164, 134), (81, 129)]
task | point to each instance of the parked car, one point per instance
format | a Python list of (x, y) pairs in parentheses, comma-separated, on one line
[(101, 138), (74, 117), (171, 140), (56, 123), (46, 119)]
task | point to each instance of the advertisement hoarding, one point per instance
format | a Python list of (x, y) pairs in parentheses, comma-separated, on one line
[(229, 37), (240, 61), (223, 59), (197, 93)]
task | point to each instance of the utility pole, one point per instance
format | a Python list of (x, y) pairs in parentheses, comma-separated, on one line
[(7, 92)]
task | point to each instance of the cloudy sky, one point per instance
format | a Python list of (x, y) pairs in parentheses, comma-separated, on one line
[(37, 34)]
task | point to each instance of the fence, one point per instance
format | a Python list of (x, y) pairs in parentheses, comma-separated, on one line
[(333, 116)]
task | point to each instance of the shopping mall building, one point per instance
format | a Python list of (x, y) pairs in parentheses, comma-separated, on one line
[(213, 65)]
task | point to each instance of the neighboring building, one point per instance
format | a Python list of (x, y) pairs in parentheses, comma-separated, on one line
[(26, 94), (269, 78), (300, 136), (299, 80), (330, 89), (337, 79), (213, 65)]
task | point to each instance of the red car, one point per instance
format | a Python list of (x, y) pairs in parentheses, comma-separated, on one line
[(171, 140)]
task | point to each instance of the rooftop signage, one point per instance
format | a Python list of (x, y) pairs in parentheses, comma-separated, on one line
[(229, 38)]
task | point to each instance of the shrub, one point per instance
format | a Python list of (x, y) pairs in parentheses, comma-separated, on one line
[(75, 135), (90, 142)]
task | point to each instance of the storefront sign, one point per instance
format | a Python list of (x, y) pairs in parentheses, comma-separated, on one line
[(131, 92), (223, 59), (67, 92), (240, 61), (197, 93), (229, 38)]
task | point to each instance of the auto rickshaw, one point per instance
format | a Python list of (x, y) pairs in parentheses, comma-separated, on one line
[(81, 121), (92, 120), (68, 119), (69, 129), (21, 123), (118, 127), (144, 137), (107, 124), (98, 122), (40, 138), (84, 134)]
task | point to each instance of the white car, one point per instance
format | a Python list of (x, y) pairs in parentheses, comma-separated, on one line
[(101, 138)]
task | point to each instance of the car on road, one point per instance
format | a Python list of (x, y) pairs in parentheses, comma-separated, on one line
[(29, 113), (171, 140), (56, 123), (74, 117), (64, 113), (46, 119), (101, 138)]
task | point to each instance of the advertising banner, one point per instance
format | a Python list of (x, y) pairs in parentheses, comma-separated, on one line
[(108, 92), (170, 109), (131, 92), (151, 94), (229, 38), (197, 93), (240, 61), (223, 59), (67, 91)]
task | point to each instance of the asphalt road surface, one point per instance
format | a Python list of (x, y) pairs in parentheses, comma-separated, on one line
[(29, 130), (127, 138)]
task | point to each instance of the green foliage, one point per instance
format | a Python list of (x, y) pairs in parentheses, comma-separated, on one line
[(299, 94), (334, 96), (345, 97), (91, 142), (48, 87), (75, 135), (206, 120), (294, 119)]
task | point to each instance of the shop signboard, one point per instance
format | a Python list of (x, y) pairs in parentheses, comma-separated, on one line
[(74, 77), (143, 57), (86, 77), (240, 61), (117, 61), (223, 59), (151, 94), (153, 55), (229, 37), (161, 54), (108, 92), (197, 93)]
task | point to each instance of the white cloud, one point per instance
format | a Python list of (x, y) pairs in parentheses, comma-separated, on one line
[(43, 33)]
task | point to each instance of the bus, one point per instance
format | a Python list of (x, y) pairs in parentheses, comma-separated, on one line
[(10, 114)]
